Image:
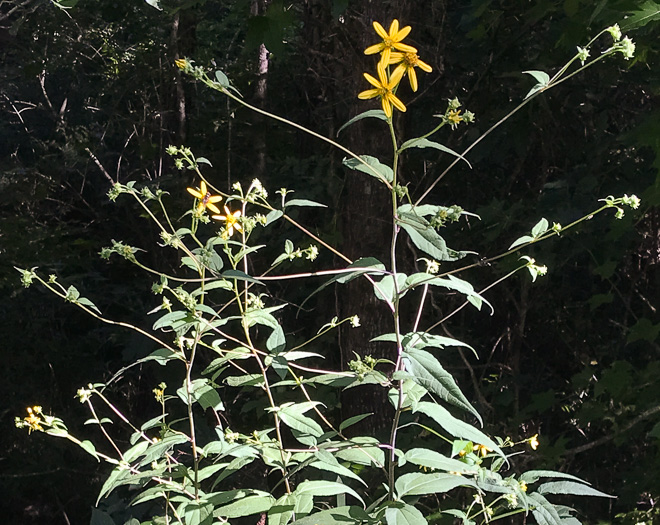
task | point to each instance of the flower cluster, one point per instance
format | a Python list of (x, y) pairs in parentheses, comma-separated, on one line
[(393, 52)]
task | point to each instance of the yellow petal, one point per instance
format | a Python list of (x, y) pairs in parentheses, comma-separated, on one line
[(195, 193), (394, 28), (373, 81), (400, 35), (215, 198), (212, 207), (380, 30), (387, 107), (369, 93), (384, 60), (396, 102), (396, 76), (404, 47), (382, 75), (203, 189), (424, 66), (396, 57), (412, 77), (372, 50)]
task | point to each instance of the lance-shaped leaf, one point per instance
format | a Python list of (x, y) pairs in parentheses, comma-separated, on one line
[(371, 166), (338, 516), (570, 487), (450, 282), (542, 79), (425, 369), (326, 488), (424, 236), (372, 113), (544, 512), (456, 427), (293, 416), (425, 143), (418, 483), (432, 459)]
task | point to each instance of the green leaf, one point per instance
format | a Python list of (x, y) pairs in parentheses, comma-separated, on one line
[(352, 421), (371, 166), (384, 289), (336, 516), (520, 241), (372, 113), (532, 476), (89, 447), (255, 504), (241, 276), (418, 483), (203, 393), (544, 512), (427, 371), (404, 514), (326, 488), (426, 238), (456, 427), (450, 282), (540, 228), (327, 462), (292, 416), (425, 143), (570, 487), (304, 202), (234, 465), (432, 459), (198, 513), (542, 79), (649, 11), (362, 450)]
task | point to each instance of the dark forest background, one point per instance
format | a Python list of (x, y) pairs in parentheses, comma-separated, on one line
[(90, 95)]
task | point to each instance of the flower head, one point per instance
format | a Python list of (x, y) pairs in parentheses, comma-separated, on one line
[(391, 40), (33, 420), (627, 48), (383, 88), (534, 441), (231, 221), (482, 449), (206, 200), (615, 31), (408, 62), (582, 54), (454, 118)]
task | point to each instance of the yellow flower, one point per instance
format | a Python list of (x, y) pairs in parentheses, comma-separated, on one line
[(181, 63), (231, 221), (206, 200), (523, 486), (408, 62), (383, 89), (33, 421), (454, 118), (482, 449), (391, 40), (534, 441)]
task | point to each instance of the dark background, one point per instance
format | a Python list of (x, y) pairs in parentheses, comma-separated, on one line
[(573, 356)]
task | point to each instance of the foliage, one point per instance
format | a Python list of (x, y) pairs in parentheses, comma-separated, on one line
[(219, 331)]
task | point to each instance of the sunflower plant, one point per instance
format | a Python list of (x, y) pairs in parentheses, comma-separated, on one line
[(215, 324)]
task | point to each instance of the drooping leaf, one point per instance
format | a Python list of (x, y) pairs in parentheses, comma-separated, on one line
[(544, 512), (427, 371), (293, 416), (570, 487), (425, 143), (372, 113), (432, 459), (326, 488), (424, 236), (456, 427), (542, 79), (371, 166), (419, 483)]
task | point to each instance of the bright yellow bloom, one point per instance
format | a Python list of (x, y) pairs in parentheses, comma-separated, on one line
[(384, 89), (181, 63), (534, 441), (523, 486), (481, 449), (231, 221), (206, 200), (391, 40), (408, 62)]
